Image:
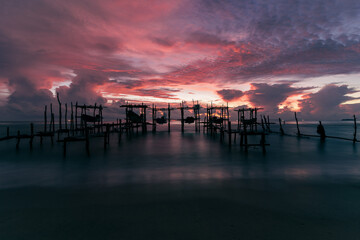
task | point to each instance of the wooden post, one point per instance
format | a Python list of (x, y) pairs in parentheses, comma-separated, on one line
[(105, 135), (72, 119), (154, 118), (245, 138), (45, 118), (87, 139), (207, 119), (120, 131), (182, 117), (265, 123), (101, 116), (169, 118), (211, 119), (297, 125), (355, 129), (127, 120), (229, 132), (268, 122), (255, 119), (227, 111), (76, 116), (58, 99), (51, 118), (281, 129), (195, 116), (66, 110)]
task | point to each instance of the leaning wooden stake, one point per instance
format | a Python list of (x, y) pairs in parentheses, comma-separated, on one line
[(281, 128)]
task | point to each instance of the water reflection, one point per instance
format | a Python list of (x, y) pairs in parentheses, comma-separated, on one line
[(175, 157)]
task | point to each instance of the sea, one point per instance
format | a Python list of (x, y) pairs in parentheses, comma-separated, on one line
[(189, 185)]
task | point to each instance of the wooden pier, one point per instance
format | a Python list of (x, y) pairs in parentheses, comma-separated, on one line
[(87, 121)]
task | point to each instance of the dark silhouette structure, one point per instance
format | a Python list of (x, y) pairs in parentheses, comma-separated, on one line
[(321, 131)]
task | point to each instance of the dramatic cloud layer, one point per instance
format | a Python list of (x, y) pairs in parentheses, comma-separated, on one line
[(173, 50)]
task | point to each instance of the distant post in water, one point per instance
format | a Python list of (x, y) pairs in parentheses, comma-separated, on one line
[(66, 116), (355, 129), (182, 117), (45, 118), (169, 112), (281, 129), (58, 99), (297, 125)]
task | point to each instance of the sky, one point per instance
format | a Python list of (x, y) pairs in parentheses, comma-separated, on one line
[(281, 55)]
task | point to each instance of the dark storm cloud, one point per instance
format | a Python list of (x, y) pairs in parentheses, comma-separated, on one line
[(270, 96), (26, 100), (83, 88), (327, 102), (230, 94), (301, 38)]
